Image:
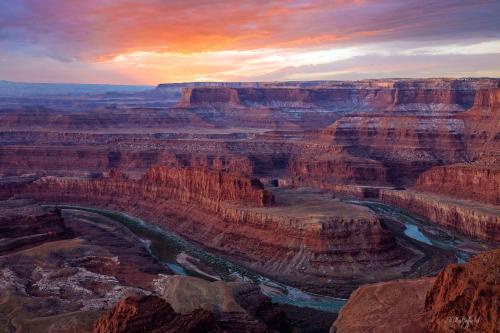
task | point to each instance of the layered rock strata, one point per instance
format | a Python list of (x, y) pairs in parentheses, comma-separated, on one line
[(348, 95), (328, 170), (406, 144), (372, 132), (201, 185), (305, 233), (470, 218), (423, 132), (482, 124), (52, 158), (479, 181)]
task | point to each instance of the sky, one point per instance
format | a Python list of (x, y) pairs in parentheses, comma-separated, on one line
[(154, 41)]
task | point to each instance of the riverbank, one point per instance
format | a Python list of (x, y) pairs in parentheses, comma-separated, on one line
[(171, 249), (166, 246)]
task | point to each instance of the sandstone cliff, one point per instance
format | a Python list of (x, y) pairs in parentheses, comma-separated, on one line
[(463, 298), (466, 298), (482, 124), (478, 181), (340, 95), (422, 128), (71, 154), (467, 217), (405, 144), (330, 169), (201, 184)]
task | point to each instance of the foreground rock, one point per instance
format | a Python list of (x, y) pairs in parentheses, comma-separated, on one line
[(396, 306), (463, 298), (466, 298), (155, 315), (237, 307), (198, 307)]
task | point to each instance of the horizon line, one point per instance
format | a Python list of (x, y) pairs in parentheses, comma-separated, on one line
[(264, 81)]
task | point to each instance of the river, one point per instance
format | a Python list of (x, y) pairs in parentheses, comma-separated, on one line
[(166, 246), (428, 233)]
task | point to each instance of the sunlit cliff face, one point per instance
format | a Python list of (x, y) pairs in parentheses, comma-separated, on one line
[(132, 41)]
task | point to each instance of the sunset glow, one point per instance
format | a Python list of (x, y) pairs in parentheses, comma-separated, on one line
[(155, 41)]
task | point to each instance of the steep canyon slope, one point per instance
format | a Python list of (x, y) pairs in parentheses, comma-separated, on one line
[(463, 298), (304, 237)]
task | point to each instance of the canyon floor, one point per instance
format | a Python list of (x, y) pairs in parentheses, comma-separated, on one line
[(265, 207)]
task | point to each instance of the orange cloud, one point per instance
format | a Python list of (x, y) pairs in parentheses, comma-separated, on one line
[(100, 30), (103, 29), (185, 40)]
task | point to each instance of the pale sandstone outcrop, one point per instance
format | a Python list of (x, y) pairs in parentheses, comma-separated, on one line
[(238, 307), (395, 306), (152, 314)]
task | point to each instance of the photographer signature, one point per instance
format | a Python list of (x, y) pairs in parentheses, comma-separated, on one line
[(463, 321)]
